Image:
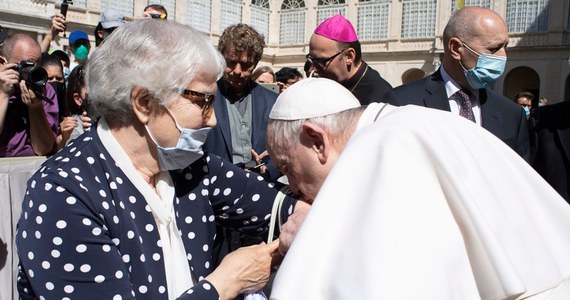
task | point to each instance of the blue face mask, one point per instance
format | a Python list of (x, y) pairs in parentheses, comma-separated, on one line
[(487, 70), (526, 111), (66, 72), (187, 150)]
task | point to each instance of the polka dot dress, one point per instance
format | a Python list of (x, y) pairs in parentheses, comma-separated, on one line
[(86, 231)]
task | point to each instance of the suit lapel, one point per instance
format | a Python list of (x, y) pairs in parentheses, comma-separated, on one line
[(223, 119), (436, 96), (491, 118)]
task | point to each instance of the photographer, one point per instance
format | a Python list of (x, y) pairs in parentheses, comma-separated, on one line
[(28, 111)]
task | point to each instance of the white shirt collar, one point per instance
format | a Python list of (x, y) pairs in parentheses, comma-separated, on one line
[(178, 275), (451, 87)]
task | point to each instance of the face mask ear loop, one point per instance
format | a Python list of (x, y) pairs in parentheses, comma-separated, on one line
[(471, 50), (175, 124), (174, 119)]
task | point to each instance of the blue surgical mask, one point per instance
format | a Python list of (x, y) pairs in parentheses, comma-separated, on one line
[(187, 150), (81, 52), (526, 111), (487, 70), (66, 72)]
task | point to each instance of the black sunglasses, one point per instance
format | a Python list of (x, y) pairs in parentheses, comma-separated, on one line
[(324, 61)]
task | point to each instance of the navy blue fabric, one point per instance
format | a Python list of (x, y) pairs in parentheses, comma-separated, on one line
[(87, 232), (499, 115)]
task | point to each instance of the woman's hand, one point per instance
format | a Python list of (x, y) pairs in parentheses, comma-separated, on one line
[(244, 270)]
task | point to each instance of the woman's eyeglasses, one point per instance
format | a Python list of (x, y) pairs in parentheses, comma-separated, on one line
[(203, 100)]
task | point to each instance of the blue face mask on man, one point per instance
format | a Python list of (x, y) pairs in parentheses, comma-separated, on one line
[(526, 111), (487, 70), (187, 150)]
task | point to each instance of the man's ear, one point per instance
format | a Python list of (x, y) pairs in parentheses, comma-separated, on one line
[(316, 138), (455, 46), (141, 103), (350, 54)]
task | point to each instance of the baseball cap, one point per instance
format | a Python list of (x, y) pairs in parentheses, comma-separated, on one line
[(111, 18), (77, 35)]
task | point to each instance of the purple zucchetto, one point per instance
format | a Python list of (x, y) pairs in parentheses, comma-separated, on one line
[(337, 28)]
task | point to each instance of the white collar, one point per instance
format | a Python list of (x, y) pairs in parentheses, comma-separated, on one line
[(178, 275)]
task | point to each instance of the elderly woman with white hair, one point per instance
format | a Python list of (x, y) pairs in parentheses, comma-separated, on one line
[(128, 209)]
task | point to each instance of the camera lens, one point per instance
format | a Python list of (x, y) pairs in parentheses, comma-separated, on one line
[(38, 76)]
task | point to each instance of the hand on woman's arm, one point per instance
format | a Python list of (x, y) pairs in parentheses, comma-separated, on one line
[(244, 270)]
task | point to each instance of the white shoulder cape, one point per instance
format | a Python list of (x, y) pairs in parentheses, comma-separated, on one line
[(423, 204)]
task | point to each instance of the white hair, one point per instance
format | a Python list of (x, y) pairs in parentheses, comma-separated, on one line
[(161, 56), (284, 134)]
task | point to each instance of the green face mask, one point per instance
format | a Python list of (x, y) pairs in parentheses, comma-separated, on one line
[(81, 52)]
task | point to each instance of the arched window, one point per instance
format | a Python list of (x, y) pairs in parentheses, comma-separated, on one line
[(373, 19), (527, 15), (329, 8), (260, 17), (198, 14), (292, 30), (231, 13), (126, 7), (418, 18)]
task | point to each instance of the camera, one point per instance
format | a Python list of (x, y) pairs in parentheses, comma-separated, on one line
[(35, 77)]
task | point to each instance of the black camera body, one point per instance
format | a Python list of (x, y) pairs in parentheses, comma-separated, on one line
[(35, 77)]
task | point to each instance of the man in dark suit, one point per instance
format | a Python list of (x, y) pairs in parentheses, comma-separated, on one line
[(242, 110), (552, 158), (474, 58)]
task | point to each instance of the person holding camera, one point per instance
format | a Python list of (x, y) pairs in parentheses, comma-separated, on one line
[(28, 107)]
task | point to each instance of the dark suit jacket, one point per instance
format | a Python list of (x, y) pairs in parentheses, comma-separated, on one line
[(499, 115), (552, 159), (219, 139), (367, 87)]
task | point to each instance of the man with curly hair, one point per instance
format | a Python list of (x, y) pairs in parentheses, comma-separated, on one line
[(242, 110)]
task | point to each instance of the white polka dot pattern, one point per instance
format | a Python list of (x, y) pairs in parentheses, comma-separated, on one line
[(86, 230)]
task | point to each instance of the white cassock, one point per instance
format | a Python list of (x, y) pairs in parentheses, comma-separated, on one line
[(423, 204)]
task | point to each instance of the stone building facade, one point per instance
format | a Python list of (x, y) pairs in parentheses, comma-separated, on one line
[(400, 38)]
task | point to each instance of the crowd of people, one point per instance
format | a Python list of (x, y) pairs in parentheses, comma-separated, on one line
[(169, 180)]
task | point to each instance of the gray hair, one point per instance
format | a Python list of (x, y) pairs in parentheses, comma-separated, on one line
[(163, 57), (284, 134)]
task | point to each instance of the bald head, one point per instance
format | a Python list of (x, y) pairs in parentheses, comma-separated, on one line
[(470, 32), (470, 22), (19, 46)]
